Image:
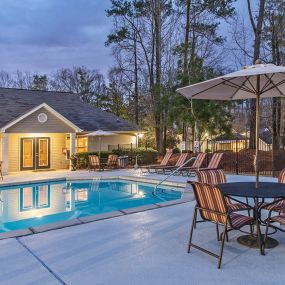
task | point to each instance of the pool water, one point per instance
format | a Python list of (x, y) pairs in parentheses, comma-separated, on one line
[(31, 205)]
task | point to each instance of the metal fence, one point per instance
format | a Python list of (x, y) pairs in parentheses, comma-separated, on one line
[(238, 157), (130, 146)]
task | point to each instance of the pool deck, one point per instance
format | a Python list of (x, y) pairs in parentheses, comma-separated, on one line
[(148, 247)]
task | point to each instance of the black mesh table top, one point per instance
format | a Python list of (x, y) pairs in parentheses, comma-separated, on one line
[(247, 189)]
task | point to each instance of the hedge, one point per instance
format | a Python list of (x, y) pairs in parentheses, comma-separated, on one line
[(144, 156)]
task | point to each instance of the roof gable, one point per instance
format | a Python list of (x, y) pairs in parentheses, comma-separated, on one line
[(17, 102), (29, 122)]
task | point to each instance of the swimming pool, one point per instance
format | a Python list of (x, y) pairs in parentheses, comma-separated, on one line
[(31, 205)]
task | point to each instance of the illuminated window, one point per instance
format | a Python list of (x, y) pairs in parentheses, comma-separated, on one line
[(81, 144)]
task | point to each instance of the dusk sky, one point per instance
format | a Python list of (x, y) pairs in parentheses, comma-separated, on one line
[(45, 35)]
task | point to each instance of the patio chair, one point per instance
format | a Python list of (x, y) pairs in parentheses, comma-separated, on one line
[(112, 161), (195, 166), (215, 161), (169, 168), (93, 162), (1, 174), (213, 208), (279, 206), (215, 177), (164, 162)]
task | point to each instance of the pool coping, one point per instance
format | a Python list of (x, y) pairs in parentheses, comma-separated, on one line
[(187, 197)]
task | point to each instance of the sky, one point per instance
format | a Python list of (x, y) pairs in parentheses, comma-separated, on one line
[(42, 36), (45, 35)]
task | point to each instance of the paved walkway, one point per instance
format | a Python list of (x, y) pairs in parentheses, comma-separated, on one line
[(142, 248)]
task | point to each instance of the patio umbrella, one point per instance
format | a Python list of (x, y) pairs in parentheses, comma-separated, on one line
[(100, 134), (256, 81)]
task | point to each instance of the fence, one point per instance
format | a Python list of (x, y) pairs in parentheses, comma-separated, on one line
[(130, 146), (238, 157)]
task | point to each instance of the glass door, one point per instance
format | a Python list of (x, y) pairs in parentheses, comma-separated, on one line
[(35, 153), (27, 153), (42, 153)]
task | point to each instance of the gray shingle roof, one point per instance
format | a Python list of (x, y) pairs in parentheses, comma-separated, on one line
[(16, 102)]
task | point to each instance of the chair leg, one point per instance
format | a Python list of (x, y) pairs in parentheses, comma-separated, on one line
[(195, 223), (218, 233), (192, 229), (222, 245)]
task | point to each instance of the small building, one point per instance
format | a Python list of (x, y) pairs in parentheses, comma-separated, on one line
[(39, 128)]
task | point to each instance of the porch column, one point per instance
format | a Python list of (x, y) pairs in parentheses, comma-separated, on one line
[(72, 145), (4, 153)]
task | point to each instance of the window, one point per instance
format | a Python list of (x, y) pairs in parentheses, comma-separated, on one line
[(82, 144)]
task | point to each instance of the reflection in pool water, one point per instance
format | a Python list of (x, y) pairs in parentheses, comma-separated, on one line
[(31, 205)]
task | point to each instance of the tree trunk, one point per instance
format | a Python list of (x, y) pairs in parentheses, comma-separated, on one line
[(157, 87), (136, 93), (257, 28)]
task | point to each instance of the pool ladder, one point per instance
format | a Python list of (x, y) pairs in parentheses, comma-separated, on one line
[(171, 174)]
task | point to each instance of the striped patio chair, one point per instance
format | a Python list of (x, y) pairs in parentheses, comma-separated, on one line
[(112, 161), (94, 162), (215, 177), (212, 207), (164, 162), (279, 206), (215, 161), (169, 168), (195, 166)]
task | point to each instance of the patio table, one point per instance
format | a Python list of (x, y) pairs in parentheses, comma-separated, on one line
[(249, 190)]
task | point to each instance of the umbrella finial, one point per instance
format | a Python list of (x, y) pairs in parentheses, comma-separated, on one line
[(258, 61)]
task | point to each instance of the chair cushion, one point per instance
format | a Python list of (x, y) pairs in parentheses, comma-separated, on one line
[(238, 221), (274, 207), (237, 207), (278, 219)]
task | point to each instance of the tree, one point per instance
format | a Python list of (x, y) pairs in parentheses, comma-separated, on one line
[(40, 82), (257, 29), (89, 84)]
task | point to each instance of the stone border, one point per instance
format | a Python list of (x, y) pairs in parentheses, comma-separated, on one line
[(188, 197)]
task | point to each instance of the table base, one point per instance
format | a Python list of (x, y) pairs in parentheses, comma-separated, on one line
[(252, 241)]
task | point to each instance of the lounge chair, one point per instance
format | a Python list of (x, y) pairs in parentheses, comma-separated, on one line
[(215, 177), (94, 162), (196, 164), (164, 162), (1, 174), (212, 207), (213, 164), (169, 168)]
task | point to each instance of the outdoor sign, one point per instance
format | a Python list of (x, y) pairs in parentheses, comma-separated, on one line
[(196, 146), (182, 145)]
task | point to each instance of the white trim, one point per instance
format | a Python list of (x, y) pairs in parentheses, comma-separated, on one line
[(50, 109)]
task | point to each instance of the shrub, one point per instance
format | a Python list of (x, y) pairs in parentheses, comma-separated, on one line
[(144, 156)]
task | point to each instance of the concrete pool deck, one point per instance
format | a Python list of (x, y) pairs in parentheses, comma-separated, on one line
[(141, 248)]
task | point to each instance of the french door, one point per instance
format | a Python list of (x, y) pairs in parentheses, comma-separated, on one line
[(35, 153)]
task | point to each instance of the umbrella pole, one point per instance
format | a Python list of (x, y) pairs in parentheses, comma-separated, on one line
[(257, 128), (100, 147)]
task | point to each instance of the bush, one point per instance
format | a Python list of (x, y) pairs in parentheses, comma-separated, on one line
[(144, 156)]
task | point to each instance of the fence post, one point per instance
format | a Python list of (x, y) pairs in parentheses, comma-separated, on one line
[(146, 146), (237, 156)]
